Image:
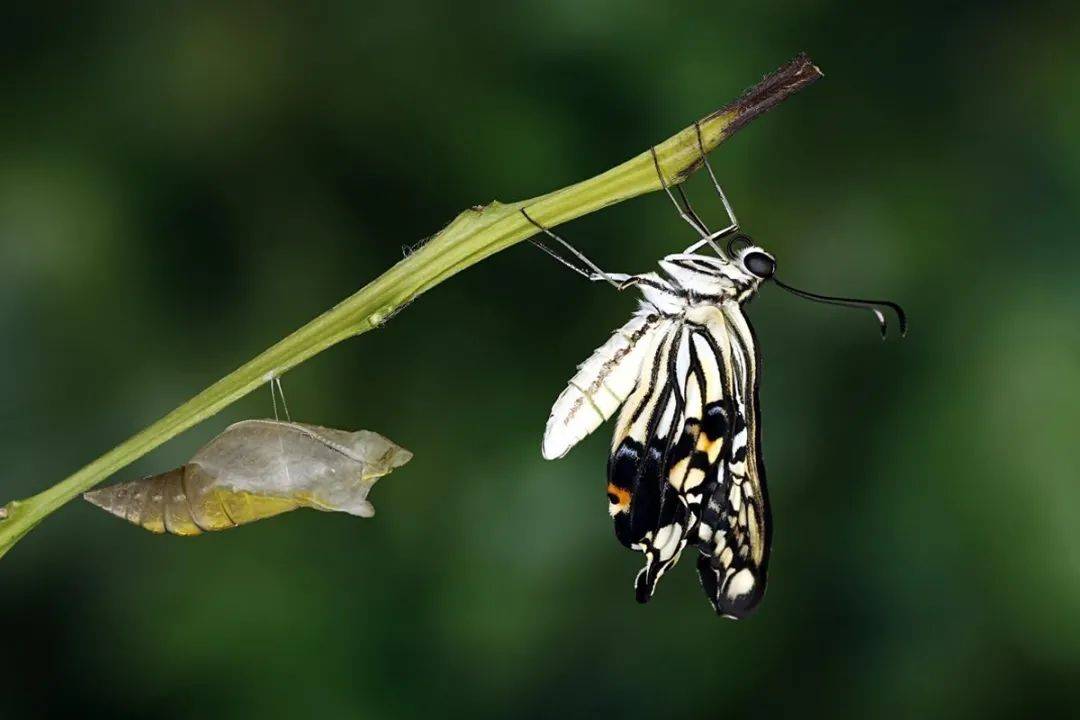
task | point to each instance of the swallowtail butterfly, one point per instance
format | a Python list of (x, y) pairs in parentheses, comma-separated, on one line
[(686, 466)]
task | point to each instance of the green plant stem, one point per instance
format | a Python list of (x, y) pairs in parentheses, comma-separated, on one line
[(469, 238)]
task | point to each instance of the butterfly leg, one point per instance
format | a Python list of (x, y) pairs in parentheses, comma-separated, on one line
[(687, 213), (620, 281), (733, 222)]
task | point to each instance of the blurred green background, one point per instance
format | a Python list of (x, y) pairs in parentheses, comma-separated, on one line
[(181, 184)]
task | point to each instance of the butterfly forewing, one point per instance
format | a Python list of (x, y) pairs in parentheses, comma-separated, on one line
[(735, 526)]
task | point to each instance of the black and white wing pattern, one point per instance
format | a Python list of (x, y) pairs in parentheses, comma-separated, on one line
[(685, 438), (602, 383), (649, 514), (735, 528)]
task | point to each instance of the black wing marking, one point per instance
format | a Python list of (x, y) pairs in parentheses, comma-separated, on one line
[(734, 533)]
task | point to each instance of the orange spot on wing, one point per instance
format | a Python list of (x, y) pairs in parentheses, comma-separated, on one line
[(710, 447), (618, 496)]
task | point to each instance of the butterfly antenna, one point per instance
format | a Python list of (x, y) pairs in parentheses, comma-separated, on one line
[(873, 306)]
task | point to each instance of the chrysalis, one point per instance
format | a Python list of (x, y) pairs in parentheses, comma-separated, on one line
[(257, 469)]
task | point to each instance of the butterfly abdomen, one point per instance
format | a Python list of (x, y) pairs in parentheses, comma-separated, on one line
[(600, 386)]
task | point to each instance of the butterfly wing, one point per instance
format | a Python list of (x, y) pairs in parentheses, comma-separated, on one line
[(735, 528), (668, 447), (646, 509), (601, 384), (685, 463)]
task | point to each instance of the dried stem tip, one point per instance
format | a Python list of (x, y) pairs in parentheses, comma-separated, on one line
[(773, 89)]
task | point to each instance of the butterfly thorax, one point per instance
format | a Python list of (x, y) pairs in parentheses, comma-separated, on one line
[(690, 279)]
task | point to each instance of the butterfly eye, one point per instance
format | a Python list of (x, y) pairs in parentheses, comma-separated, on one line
[(760, 264)]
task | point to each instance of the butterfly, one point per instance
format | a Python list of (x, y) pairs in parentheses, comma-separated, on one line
[(686, 465)]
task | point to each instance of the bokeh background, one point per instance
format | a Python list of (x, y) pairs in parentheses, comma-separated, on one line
[(181, 184)]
